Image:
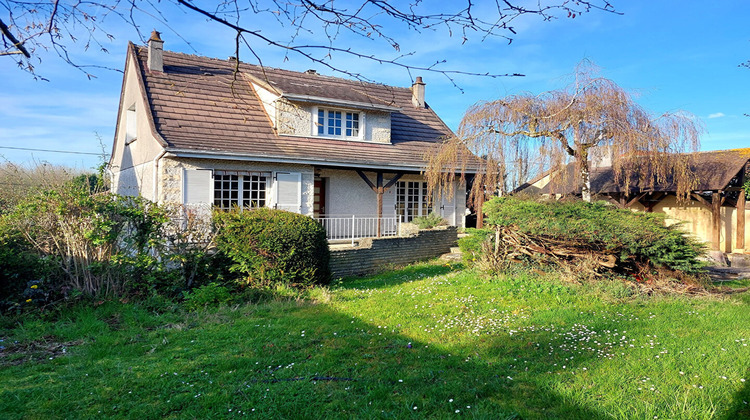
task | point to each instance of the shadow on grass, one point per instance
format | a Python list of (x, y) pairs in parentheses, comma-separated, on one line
[(741, 407), (401, 275), (292, 361)]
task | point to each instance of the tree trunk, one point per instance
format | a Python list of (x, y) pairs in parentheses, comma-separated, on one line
[(583, 170)]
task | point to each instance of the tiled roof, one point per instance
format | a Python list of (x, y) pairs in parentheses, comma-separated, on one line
[(713, 171), (200, 105)]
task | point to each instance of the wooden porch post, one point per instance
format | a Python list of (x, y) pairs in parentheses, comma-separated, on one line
[(716, 220), (379, 192), (480, 212), (379, 189), (740, 242)]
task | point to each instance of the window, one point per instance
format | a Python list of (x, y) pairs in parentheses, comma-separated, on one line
[(131, 128), (412, 200), (246, 190), (336, 123)]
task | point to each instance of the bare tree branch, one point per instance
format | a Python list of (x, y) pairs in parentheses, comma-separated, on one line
[(589, 119), (55, 25)]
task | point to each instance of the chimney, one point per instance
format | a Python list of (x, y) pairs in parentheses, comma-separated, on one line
[(417, 93), (155, 52)]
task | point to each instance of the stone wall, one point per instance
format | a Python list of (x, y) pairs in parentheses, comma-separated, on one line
[(378, 254)]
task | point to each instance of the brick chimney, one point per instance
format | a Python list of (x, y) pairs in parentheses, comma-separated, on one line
[(155, 52), (417, 93)]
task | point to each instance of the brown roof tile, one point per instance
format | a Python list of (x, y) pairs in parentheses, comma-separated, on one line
[(714, 170), (199, 105)]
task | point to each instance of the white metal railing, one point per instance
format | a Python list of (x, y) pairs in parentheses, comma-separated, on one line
[(358, 227)]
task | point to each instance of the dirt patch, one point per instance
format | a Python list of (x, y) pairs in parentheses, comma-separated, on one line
[(14, 353)]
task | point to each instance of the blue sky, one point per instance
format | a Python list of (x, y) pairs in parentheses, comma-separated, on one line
[(672, 54)]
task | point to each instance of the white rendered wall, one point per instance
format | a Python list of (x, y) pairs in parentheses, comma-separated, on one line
[(173, 169)]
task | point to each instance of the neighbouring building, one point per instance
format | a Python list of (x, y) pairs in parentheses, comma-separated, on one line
[(716, 212)]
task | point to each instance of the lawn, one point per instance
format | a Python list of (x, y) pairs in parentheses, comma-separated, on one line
[(429, 340)]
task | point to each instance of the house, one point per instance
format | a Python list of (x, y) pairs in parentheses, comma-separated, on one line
[(204, 131), (716, 212)]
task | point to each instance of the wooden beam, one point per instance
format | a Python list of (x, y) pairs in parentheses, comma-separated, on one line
[(701, 200), (379, 192), (716, 220), (480, 212), (635, 199), (653, 199), (393, 181), (366, 179), (740, 241)]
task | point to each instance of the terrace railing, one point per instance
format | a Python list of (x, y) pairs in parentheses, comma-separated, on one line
[(357, 227)]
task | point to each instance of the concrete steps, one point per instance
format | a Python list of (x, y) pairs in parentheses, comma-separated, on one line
[(454, 255)]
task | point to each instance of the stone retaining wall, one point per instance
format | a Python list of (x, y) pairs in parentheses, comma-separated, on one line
[(378, 254)]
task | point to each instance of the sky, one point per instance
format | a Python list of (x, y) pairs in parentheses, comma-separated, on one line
[(672, 55)]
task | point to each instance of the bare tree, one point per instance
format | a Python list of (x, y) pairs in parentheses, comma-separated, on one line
[(26, 26), (590, 118)]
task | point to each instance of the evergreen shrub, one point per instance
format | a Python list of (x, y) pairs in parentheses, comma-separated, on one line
[(274, 247), (471, 245), (430, 221), (633, 235)]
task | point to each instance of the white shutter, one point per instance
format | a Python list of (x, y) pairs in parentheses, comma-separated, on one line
[(197, 186), (448, 207), (288, 191)]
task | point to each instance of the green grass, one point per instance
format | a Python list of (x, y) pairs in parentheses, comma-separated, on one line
[(426, 341)]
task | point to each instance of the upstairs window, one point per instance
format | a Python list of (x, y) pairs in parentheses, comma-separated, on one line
[(337, 123)]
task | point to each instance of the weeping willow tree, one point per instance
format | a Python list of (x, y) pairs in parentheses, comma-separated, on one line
[(592, 118)]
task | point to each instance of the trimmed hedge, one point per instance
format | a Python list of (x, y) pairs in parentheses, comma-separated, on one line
[(274, 246)]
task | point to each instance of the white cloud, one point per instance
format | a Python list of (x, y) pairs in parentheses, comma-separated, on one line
[(717, 115)]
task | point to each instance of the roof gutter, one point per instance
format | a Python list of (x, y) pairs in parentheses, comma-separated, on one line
[(157, 159), (277, 159)]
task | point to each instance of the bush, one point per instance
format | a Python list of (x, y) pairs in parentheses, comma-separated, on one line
[(18, 265), (430, 221), (211, 294), (634, 236), (471, 245), (274, 246)]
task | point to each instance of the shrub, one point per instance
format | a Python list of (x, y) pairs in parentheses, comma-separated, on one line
[(430, 221), (274, 246), (633, 236), (104, 243), (211, 294), (471, 245), (18, 265)]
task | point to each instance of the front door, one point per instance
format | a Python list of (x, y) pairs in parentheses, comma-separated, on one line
[(319, 197)]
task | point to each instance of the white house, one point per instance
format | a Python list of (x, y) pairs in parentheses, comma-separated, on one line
[(198, 130)]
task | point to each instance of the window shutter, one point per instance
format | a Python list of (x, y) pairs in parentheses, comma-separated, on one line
[(197, 186), (288, 191), (448, 207)]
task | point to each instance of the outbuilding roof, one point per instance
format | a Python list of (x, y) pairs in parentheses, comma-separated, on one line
[(201, 105), (714, 171)]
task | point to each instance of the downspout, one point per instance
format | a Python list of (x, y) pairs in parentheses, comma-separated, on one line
[(156, 175)]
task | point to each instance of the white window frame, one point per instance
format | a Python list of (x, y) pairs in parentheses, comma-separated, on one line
[(242, 178), (317, 124), (422, 206)]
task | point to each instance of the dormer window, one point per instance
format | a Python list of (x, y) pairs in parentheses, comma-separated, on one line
[(338, 123)]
